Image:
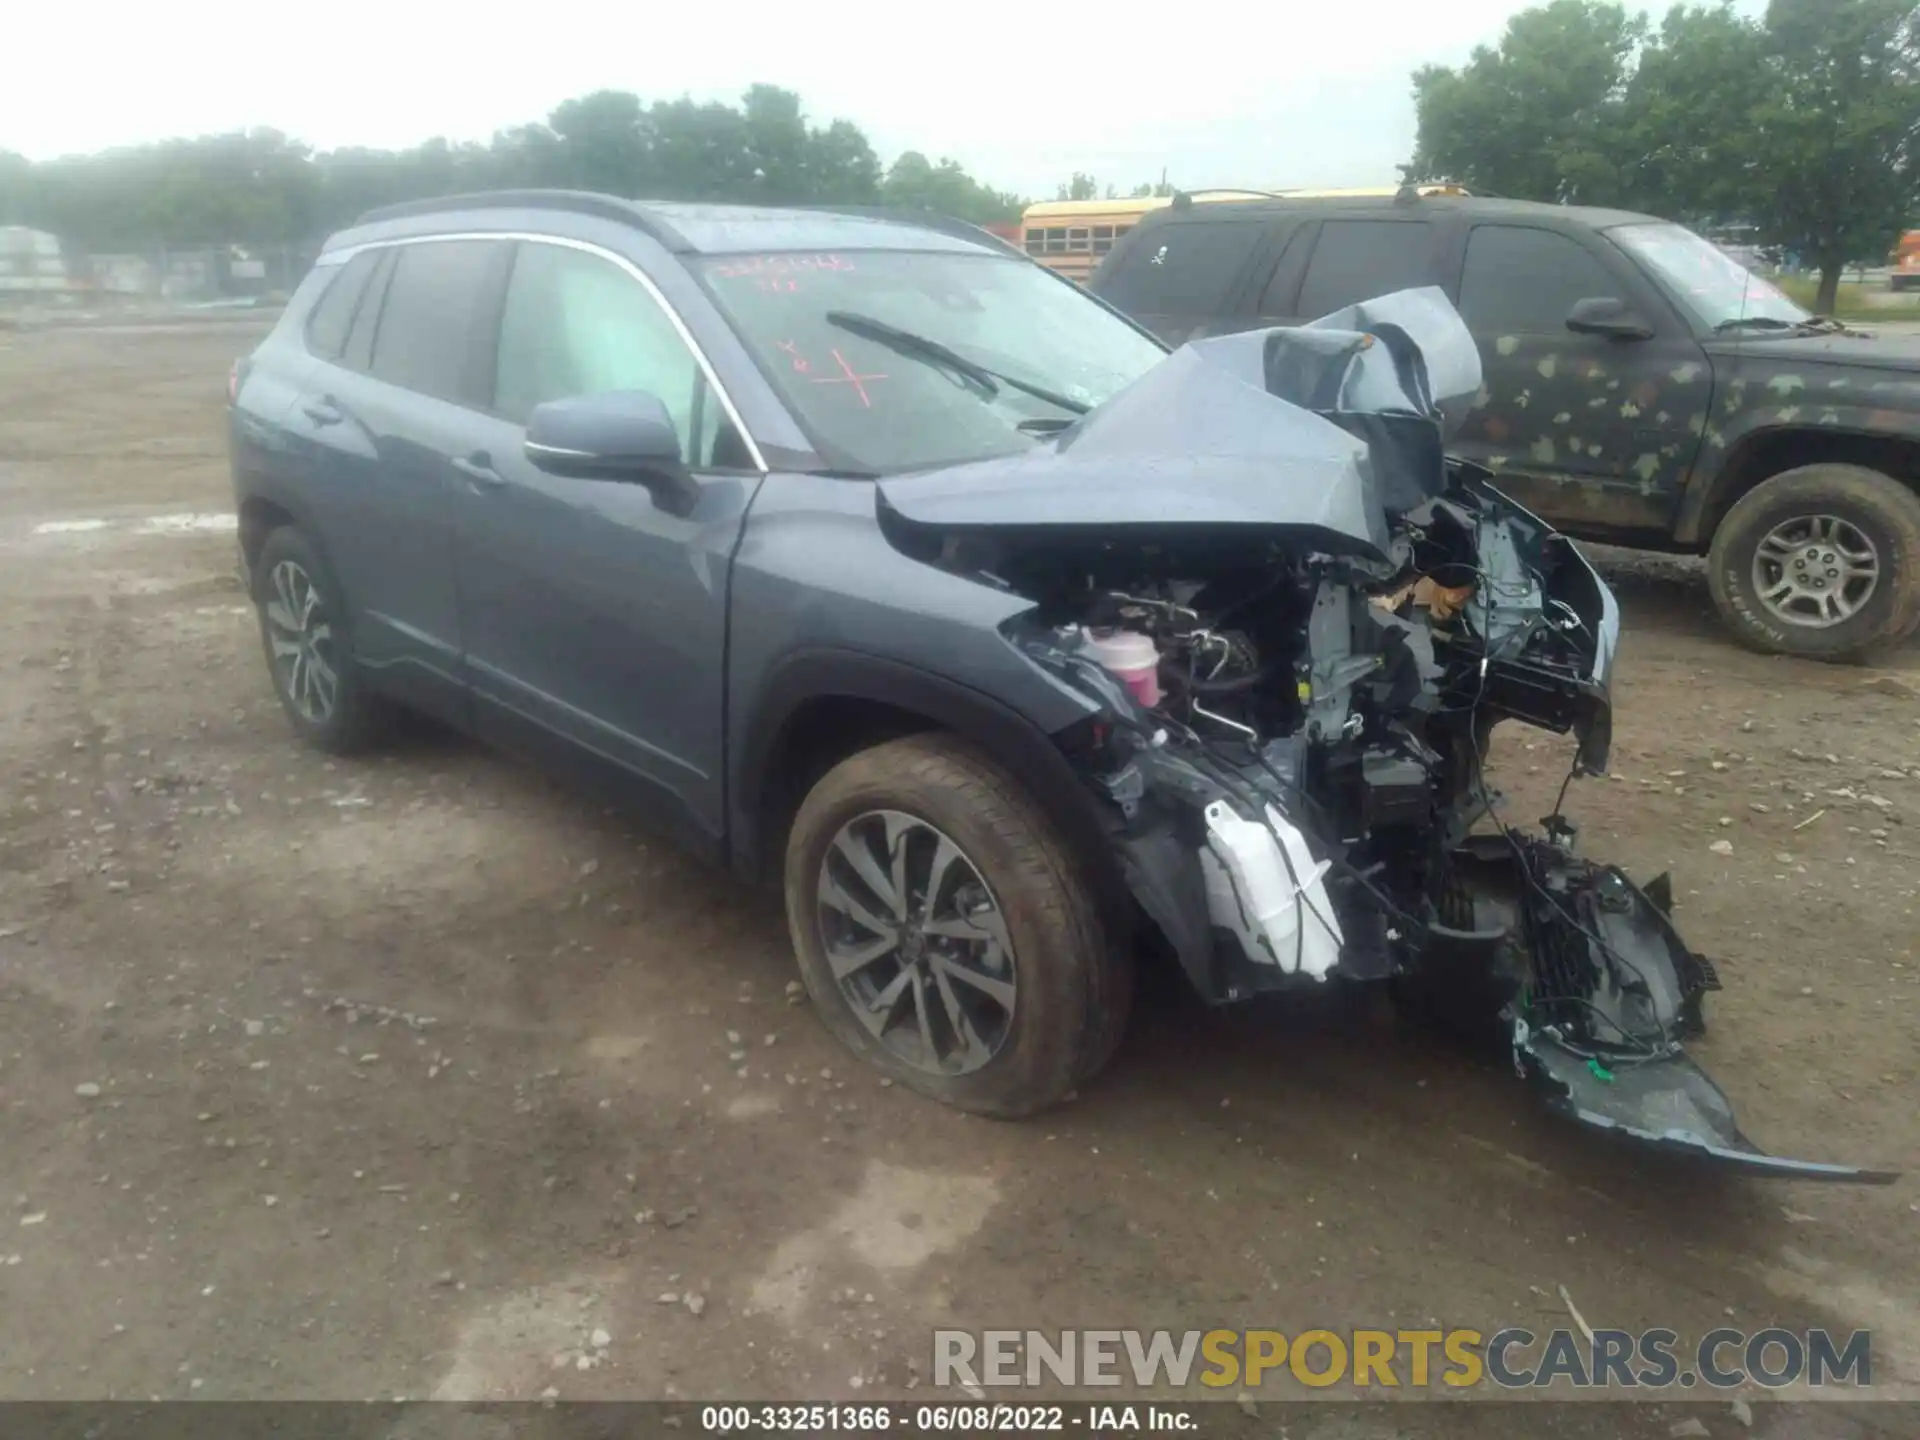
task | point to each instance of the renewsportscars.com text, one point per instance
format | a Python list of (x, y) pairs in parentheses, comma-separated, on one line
[(1509, 1359)]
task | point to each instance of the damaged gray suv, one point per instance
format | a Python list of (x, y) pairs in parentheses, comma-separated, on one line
[(869, 554)]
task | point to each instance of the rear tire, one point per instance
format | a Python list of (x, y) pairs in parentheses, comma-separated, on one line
[(1065, 984), (1814, 517), (309, 651)]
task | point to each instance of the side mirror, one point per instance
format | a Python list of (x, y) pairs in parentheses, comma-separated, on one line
[(624, 436), (1606, 316)]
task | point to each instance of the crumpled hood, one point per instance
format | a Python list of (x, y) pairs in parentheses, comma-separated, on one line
[(1323, 428)]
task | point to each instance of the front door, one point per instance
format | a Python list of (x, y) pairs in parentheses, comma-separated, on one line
[(1595, 434), (591, 616)]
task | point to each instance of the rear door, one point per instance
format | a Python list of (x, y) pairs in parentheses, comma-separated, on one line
[(595, 622), (1591, 432), (383, 417), (1182, 278)]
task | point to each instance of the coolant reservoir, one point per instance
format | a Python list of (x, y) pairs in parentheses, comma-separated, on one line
[(1132, 657)]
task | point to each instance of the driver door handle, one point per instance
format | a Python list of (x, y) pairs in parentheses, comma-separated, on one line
[(479, 469)]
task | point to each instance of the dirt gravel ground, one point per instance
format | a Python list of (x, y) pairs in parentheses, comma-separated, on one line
[(421, 1076)]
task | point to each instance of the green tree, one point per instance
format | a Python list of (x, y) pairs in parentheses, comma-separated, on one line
[(841, 166), (1688, 134), (699, 153), (1836, 131), (603, 141), (1081, 187), (775, 139), (260, 186), (1536, 116), (525, 155), (1805, 122), (915, 183)]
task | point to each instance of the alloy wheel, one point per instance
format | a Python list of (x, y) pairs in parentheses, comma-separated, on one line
[(300, 636), (917, 942), (1815, 570)]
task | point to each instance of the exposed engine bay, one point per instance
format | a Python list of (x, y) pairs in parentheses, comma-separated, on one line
[(1291, 688), (1351, 699)]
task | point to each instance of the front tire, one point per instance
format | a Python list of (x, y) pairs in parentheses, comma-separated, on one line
[(309, 655), (946, 931), (1822, 562)]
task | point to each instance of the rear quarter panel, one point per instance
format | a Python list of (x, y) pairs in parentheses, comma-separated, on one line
[(260, 451)]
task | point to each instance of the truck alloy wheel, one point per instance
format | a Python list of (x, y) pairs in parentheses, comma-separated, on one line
[(1815, 570), (1821, 562)]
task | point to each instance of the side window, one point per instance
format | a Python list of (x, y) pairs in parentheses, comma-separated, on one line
[(1277, 298), (1359, 259), (429, 322), (1520, 280), (577, 324), (1182, 268), (332, 314)]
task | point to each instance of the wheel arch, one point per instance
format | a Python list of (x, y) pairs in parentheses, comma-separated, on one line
[(261, 512), (821, 706), (1761, 454), (259, 518)]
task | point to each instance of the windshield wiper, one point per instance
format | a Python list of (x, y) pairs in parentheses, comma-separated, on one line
[(1756, 322), (1770, 324), (985, 379)]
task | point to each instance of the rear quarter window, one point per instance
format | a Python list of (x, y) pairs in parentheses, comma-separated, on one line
[(331, 318), (1184, 268)]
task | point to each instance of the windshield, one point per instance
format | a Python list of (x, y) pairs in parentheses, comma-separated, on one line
[(903, 360), (1716, 288)]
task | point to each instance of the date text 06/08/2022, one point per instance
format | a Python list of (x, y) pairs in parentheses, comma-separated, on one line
[(957, 1417)]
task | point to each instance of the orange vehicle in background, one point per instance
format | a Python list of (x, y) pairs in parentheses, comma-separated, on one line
[(1906, 263)]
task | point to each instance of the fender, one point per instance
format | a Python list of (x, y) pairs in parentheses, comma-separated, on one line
[(1721, 463), (258, 488), (1009, 738)]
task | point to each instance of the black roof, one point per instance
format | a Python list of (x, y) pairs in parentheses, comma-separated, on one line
[(697, 228), (1479, 206)]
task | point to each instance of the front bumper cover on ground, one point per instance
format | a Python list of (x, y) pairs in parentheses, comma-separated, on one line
[(1669, 1103), (1607, 961)]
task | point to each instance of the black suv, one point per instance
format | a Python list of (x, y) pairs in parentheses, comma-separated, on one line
[(1641, 387)]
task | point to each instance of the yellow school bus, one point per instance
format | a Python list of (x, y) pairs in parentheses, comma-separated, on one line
[(1073, 236)]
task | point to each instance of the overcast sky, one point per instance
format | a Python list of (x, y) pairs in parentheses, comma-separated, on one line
[(1290, 92)]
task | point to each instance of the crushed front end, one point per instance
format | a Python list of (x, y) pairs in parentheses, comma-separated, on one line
[(1292, 667)]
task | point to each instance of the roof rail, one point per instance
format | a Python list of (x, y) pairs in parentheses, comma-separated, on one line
[(935, 220), (1183, 198), (578, 202)]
